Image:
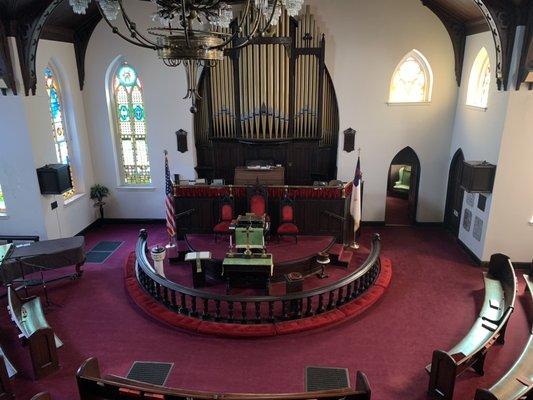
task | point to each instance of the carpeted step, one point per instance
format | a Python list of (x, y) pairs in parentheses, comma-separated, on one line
[(340, 255), (345, 258), (336, 249)]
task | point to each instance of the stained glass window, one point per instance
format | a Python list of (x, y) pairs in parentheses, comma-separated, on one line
[(58, 125), (479, 82), (412, 80), (127, 89), (3, 208)]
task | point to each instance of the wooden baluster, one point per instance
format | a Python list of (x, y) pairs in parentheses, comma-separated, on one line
[(230, 311), (205, 313), (320, 308), (173, 304), (257, 312), (244, 312), (165, 296), (217, 310), (271, 311), (340, 298), (284, 312), (194, 313), (183, 304), (309, 309), (299, 308), (331, 302), (349, 292)]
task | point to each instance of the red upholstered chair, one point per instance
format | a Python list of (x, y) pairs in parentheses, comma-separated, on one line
[(226, 216), (287, 225), (258, 200)]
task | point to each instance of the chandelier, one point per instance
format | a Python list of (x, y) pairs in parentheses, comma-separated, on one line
[(194, 33)]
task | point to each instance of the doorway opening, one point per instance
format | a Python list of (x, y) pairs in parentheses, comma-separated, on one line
[(403, 181), (455, 194)]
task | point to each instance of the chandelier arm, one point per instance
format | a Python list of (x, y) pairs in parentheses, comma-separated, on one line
[(132, 27), (185, 23), (116, 31), (206, 6)]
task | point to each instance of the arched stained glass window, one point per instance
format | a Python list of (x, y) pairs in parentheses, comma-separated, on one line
[(58, 125), (3, 208), (127, 89), (412, 80), (479, 82)]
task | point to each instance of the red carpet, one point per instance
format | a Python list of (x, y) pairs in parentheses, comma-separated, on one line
[(397, 212), (431, 303), (162, 314)]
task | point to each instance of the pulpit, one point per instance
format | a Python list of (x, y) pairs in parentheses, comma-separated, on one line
[(197, 260)]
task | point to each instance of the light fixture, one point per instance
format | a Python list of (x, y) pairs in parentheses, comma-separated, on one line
[(194, 32)]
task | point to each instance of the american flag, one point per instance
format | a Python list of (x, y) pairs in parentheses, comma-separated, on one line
[(169, 202), (355, 205)]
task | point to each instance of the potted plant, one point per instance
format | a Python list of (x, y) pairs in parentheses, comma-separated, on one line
[(98, 193)]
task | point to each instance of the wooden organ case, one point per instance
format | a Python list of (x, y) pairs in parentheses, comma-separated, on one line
[(272, 100)]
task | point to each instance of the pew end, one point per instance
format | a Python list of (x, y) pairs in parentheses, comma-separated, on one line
[(484, 394), (442, 374), (89, 369), (6, 390), (43, 352), (362, 385)]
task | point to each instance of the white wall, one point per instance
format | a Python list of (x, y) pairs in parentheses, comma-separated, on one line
[(33, 147), (508, 231), (361, 59), (166, 113), (365, 41), (479, 133), (17, 172)]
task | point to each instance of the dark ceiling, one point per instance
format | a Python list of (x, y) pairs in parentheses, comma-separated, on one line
[(64, 20)]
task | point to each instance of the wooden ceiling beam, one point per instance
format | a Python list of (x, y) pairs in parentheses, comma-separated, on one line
[(6, 65), (457, 31)]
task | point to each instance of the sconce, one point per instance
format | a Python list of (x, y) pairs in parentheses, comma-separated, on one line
[(349, 140), (181, 137)]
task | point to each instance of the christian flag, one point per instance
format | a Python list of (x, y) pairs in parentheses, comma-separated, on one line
[(355, 204), (169, 202)]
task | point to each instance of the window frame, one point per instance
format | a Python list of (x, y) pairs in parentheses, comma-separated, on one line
[(3, 211), (428, 78), (73, 193), (116, 129), (480, 71)]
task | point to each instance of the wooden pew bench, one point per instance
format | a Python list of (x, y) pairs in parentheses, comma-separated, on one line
[(489, 328), (518, 381), (92, 386), (35, 332)]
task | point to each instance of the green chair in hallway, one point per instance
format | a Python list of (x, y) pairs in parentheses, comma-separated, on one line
[(404, 183)]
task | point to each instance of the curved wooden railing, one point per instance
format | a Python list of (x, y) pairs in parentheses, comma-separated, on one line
[(255, 309)]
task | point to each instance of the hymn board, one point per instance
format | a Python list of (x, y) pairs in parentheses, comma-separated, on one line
[(272, 101)]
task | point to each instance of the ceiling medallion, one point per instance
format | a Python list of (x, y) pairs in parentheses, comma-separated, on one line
[(193, 32)]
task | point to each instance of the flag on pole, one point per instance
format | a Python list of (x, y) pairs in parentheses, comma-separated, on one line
[(169, 202), (355, 204)]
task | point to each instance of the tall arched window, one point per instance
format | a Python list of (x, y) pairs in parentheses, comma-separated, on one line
[(131, 126), (479, 82), (60, 134), (412, 80)]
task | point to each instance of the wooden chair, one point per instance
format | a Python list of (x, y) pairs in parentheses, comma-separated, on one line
[(92, 386), (226, 217), (517, 383), (287, 225), (36, 333), (489, 328), (258, 200)]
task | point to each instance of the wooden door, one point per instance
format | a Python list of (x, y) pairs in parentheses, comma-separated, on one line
[(454, 199)]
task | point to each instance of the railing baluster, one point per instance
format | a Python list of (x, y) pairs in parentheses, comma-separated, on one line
[(258, 312), (205, 313), (230, 311), (194, 313), (284, 307), (271, 311), (320, 308), (340, 298), (331, 302), (217, 310), (244, 312), (183, 304), (309, 309)]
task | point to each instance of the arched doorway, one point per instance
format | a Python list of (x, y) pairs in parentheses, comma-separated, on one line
[(403, 181), (454, 197)]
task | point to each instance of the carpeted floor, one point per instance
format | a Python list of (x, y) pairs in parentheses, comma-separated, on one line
[(433, 299)]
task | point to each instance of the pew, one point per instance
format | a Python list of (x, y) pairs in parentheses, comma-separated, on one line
[(35, 332), (489, 328), (92, 386), (42, 396), (517, 383), (6, 390)]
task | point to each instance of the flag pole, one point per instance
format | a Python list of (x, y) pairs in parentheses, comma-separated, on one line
[(171, 246), (354, 244)]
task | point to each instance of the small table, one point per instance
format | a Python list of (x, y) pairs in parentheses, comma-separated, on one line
[(197, 269), (252, 271), (323, 261)]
